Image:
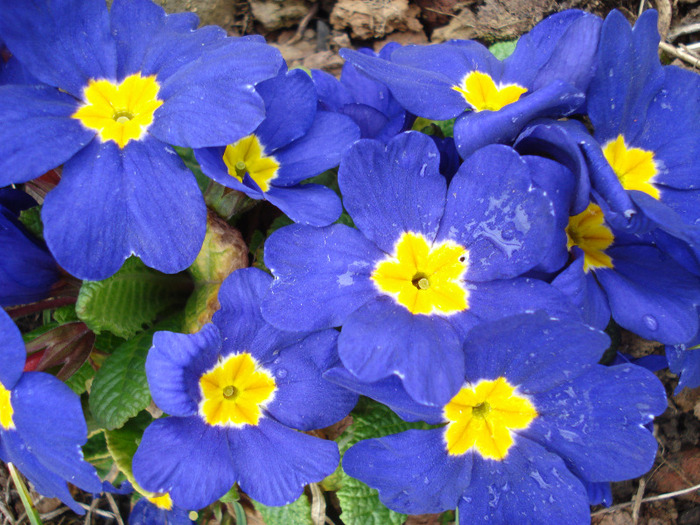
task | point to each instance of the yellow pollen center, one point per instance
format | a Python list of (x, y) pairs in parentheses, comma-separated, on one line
[(6, 410), (248, 156), (120, 112), (235, 391), (635, 168), (482, 417), (424, 279), (588, 231), (482, 93), (162, 502)]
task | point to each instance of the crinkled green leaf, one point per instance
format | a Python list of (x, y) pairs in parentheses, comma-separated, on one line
[(31, 219), (65, 314), (123, 442), (95, 451), (360, 503), (130, 300), (502, 50), (78, 381), (297, 513)]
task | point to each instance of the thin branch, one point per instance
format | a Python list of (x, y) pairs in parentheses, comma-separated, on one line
[(660, 497), (679, 53)]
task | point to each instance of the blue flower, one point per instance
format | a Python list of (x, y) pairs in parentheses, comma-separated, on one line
[(684, 360), (118, 87), (294, 142), (158, 510), (536, 423), (546, 75), (368, 102), (646, 154), (426, 263), (27, 269), (42, 427), (235, 390)]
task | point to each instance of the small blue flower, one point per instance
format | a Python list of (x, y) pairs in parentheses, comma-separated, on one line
[(546, 75), (536, 430), (118, 88), (235, 392), (42, 427), (294, 142), (27, 269), (368, 102), (646, 153), (426, 263)]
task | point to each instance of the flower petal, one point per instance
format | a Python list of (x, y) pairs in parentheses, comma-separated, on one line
[(311, 204), (12, 352)]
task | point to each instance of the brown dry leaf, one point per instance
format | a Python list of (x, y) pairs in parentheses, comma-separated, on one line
[(679, 471), (375, 18)]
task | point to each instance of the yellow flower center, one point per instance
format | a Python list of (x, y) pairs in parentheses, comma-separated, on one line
[(6, 410), (588, 231), (248, 156), (162, 502), (235, 391), (482, 93), (120, 112), (482, 417), (634, 167), (425, 279)]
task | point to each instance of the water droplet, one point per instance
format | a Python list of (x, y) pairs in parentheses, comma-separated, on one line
[(508, 232), (277, 361), (426, 480), (422, 170), (281, 373), (650, 322)]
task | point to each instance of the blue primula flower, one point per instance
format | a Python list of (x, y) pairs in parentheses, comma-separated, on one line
[(158, 510), (535, 424), (42, 427), (118, 87), (646, 155), (294, 142), (546, 75), (236, 389), (368, 102), (426, 263), (27, 269)]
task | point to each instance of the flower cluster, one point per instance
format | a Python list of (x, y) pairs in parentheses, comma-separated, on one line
[(487, 220)]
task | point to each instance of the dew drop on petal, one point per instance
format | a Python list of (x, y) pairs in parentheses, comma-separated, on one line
[(650, 322), (281, 373)]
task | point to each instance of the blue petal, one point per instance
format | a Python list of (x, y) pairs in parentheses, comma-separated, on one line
[(201, 97), (175, 364), (186, 458), (530, 485), (392, 190), (240, 321), (321, 148), (388, 391), (596, 422), (276, 462), (311, 204), (383, 338), (146, 513), (676, 212), (112, 203), (684, 360), (37, 132), (321, 276), (63, 43), (532, 351), (332, 95), (475, 130), (304, 400), (49, 420), (411, 470), (12, 352), (494, 210), (290, 107), (599, 493), (422, 92), (211, 160), (638, 290)]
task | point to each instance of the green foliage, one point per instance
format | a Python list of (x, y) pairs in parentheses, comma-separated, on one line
[(439, 128), (31, 219), (38, 332), (65, 314), (502, 50), (360, 503), (78, 382), (95, 451), (130, 300), (297, 513), (123, 442)]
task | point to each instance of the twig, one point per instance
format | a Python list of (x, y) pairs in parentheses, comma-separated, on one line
[(115, 509), (641, 8), (5, 512), (304, 23), (684, 30), (53, 514), (660, 497), (638, 500), (678, 53)]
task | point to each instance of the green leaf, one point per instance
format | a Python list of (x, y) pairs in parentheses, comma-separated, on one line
[(95, 451), (78, 381), (120, 389), (31, 219), (65, 314), (123, 442), (297, 513), (360, 503), (130, 300), (502, 50)]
